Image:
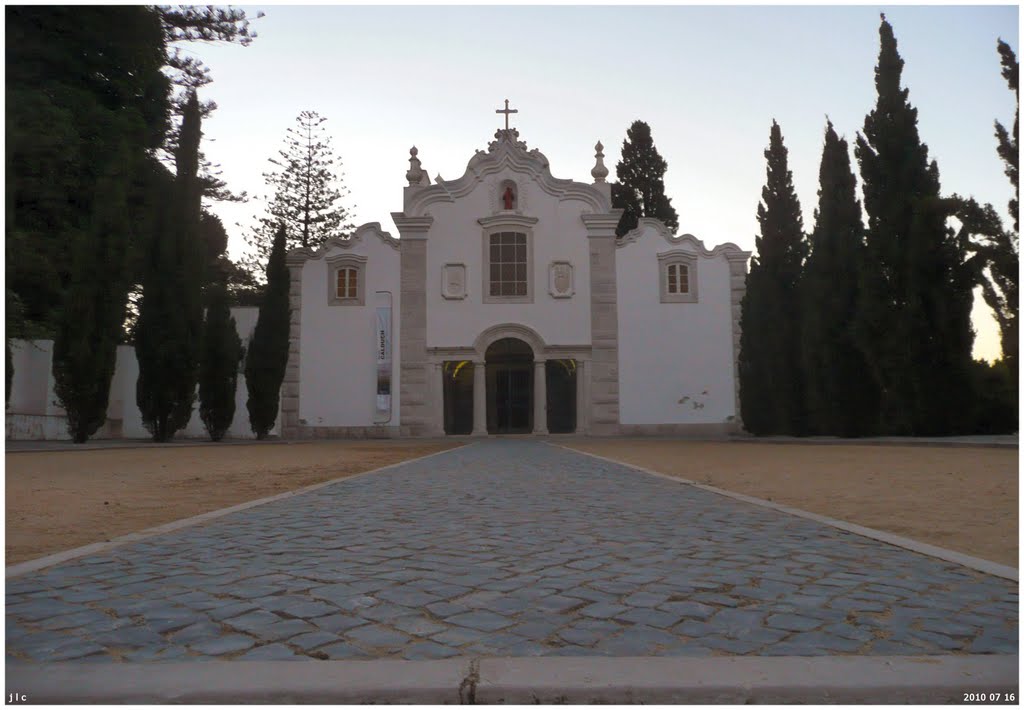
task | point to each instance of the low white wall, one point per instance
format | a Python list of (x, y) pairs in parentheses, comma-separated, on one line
[(34, 413)]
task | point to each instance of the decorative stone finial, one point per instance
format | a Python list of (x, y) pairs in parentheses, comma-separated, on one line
[(600, 172), (415, 173)]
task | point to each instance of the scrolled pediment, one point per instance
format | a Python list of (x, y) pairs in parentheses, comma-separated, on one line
[(507, 153), (728, 249)]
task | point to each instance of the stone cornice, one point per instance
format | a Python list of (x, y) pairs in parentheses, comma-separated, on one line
[(509, 219), (729, 250), (502, 154), (602, 225), (298, 256), (412, 227)]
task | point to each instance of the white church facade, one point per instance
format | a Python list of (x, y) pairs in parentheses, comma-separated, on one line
[(508, 305)]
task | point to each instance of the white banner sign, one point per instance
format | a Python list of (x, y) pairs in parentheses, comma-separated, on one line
[(384, 363)]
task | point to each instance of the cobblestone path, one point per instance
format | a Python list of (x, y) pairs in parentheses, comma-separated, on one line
[(505, 548)]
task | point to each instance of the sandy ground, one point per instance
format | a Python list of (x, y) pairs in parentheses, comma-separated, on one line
[(963, 499), (60, 500)]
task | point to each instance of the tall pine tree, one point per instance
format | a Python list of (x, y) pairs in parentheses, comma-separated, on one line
[(267, 357), (218, 368), (839, 399), (914, 320), (640, 191), (168, 332), (771, 391), (85, 349), (308, 192)]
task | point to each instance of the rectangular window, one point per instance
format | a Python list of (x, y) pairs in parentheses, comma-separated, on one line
[(348, 283), (508, 264)]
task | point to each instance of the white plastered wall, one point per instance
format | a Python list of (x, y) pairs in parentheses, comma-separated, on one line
[(675, 359), (338, 352)]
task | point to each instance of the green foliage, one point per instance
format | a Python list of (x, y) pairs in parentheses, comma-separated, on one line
[(640, 191), (267, 355), (76, 77), (307, 192), (914, 320), (218, 365), (996, 410), (1001, 248), (85, 349), (771, 389), (167, 335), (840, 401)]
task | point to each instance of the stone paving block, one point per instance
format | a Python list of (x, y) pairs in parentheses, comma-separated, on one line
[(691, 610), (556, 603), (386, 612), (792, 622), (418, 625), (377, 636), (716, 599), (645, 599), (427, 650), (313, 640), (254, 621), (77, 650), (229, 643), (271, 652), (458, 636), (230, 610), (603, 610), (343, 651), (480, 620), (591, 595), (535, 630), (283, 630), (651, 617), (407, 597), (308, 609), (824, 641), (196, 632), (70, 621), (337, 623), (129, 637)]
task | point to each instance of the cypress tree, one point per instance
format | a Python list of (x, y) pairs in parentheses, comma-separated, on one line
[(267, 357), (914, 320), (218, 367), (839, 398), (640, 191), (771, 392), (167, 335), (1002, 252), (89, 328)]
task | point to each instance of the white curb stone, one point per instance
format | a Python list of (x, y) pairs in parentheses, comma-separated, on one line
[(844, 679)]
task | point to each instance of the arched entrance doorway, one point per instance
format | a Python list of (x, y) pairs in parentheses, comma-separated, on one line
[(509, 368)]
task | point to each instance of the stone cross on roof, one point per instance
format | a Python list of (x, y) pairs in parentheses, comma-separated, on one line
[(507, 111)]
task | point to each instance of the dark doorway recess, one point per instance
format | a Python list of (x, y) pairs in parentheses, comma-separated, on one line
[(509, 387), (561, 388), (458, 397)]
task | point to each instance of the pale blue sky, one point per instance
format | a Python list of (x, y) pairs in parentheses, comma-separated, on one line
[(709, 81)]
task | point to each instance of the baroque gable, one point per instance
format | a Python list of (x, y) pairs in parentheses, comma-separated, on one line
[(506, 152)]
